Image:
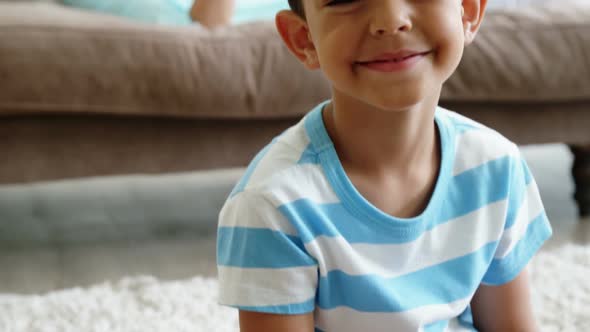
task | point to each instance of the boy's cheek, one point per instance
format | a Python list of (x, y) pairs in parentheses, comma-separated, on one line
[(451, 42)]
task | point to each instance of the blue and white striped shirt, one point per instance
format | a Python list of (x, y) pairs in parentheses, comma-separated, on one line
[(295, 236)]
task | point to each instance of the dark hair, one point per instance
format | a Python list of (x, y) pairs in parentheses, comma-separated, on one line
[(297, 7)]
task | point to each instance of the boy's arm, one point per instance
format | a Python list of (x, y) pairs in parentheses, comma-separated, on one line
[(262, 322), (504, 308), (212, 13)]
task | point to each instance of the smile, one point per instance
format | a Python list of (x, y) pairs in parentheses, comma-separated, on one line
[(392, 62)]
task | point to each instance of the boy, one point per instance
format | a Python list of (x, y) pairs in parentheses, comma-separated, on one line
[(380, 211)]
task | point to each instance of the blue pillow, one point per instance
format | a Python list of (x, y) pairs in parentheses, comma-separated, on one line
[(176, 12), (253, 10)]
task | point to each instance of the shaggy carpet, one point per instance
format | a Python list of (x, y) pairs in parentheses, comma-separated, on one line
[(560, 279)]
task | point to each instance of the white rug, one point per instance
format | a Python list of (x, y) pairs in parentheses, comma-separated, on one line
[(561, 295)]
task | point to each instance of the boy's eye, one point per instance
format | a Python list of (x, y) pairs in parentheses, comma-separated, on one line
[(340, 2)]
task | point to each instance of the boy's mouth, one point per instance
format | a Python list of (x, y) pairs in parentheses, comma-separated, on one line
[(395, 61)]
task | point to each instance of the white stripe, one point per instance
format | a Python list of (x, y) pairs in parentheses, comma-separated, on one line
[(278, 171), (529, 209), (455, 326), (264, 287), (284, 153), (307, 181), (344, 319), (296, 137), (450, 240), (252, 210), (463, 119), (477, 147)]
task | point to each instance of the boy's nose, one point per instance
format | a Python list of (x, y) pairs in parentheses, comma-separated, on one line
[(390, 17)]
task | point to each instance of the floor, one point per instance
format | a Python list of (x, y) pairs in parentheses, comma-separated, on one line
[(39, 270)]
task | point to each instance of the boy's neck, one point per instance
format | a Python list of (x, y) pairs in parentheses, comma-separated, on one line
[(375, 141)]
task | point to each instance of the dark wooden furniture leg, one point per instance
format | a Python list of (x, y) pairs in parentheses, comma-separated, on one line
[(581, 173)]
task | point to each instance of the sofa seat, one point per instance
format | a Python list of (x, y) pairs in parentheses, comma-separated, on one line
[(56, 59)]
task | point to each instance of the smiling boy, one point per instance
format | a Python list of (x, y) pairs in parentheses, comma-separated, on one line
[(381, 211)]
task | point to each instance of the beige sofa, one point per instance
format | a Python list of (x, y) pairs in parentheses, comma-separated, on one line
[(85, 94)]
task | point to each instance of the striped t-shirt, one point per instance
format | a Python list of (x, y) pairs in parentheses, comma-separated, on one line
[(295, 236)]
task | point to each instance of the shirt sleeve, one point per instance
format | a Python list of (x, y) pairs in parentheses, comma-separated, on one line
[(262, 263), (526, 227)]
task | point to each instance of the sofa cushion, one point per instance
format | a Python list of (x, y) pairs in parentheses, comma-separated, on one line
[(528, 54), (113, 208), (56, 59), (66, 60)]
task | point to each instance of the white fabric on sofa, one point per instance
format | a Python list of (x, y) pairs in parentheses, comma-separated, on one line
[(513, 3)]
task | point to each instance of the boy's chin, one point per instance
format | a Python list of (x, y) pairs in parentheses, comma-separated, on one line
[(397, 102)]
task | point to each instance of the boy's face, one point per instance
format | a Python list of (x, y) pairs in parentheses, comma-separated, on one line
[(391, 54)]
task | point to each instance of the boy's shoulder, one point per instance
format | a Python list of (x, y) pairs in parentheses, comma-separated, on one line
[(471, 130), (288, 162), (289, 166), (474, 142)]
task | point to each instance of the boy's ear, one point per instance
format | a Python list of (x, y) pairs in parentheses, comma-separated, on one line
[(473, 13), (295, 33)]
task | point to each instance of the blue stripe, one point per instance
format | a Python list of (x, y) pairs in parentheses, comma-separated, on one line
[(313, 220), (476, 188), (506, 269), (260, 248), (437, 326), (466, 194), (285, 309), (246, 177), (314, 124), (440, 284)]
